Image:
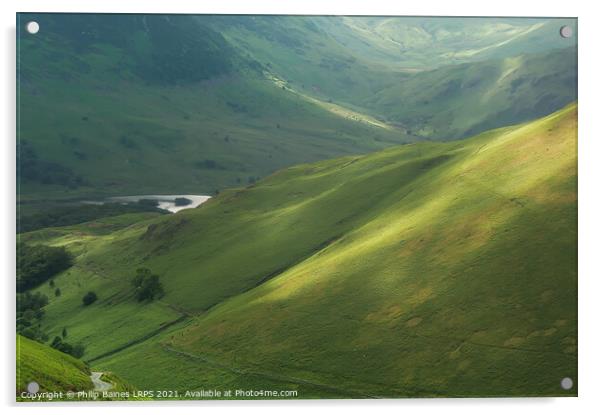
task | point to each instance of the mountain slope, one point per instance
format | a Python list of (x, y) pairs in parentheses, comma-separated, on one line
[(53, 370), (348, 58), (436, 268), (419, 43), (438, 78), (458, 101), (459, 281), (104, 100)]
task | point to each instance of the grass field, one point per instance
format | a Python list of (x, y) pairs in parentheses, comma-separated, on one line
[(437, 269), (54, 371)]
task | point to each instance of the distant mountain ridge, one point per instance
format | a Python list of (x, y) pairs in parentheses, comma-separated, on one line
[(105, 98)]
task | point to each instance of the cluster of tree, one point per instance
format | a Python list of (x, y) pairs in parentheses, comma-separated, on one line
[(37, 263), (147, 285), (57, 291), (31, 167), (75, 350), (72, 215), (182, 201), (30, 310)]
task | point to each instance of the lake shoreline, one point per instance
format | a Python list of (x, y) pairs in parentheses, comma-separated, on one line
[(165, 202)]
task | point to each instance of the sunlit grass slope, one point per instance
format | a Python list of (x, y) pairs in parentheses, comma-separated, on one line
[(457, 278), (422, 270), (53, 370)]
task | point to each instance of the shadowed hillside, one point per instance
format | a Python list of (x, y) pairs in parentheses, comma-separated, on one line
[(116, 104)]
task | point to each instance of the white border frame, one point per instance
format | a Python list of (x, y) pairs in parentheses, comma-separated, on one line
[(590, 230)]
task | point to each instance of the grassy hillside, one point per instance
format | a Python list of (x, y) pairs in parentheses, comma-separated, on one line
[(104, 100), (462, 100), (300, 50), (418, 43), (53, 370), (206, 137), (98, 115), (457, 281), (348, 58), (436, 268), (437, 78)]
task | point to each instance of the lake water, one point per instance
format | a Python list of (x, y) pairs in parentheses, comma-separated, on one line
[(166, 202)]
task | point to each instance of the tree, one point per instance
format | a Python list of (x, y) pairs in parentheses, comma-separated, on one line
[(38, 263), (147, 285), (29, 301), (34, 333), (56, 342), (57, 292), (78, 350), (182, 201), (74, 350), (30, 310), (64, 332), (89, 298)]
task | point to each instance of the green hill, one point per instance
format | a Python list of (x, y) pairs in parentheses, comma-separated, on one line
[(220, 101), (349, 58), (99, 113), (429, 269), (436, 78), (459, 101), (418, 43), (53, 370)]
